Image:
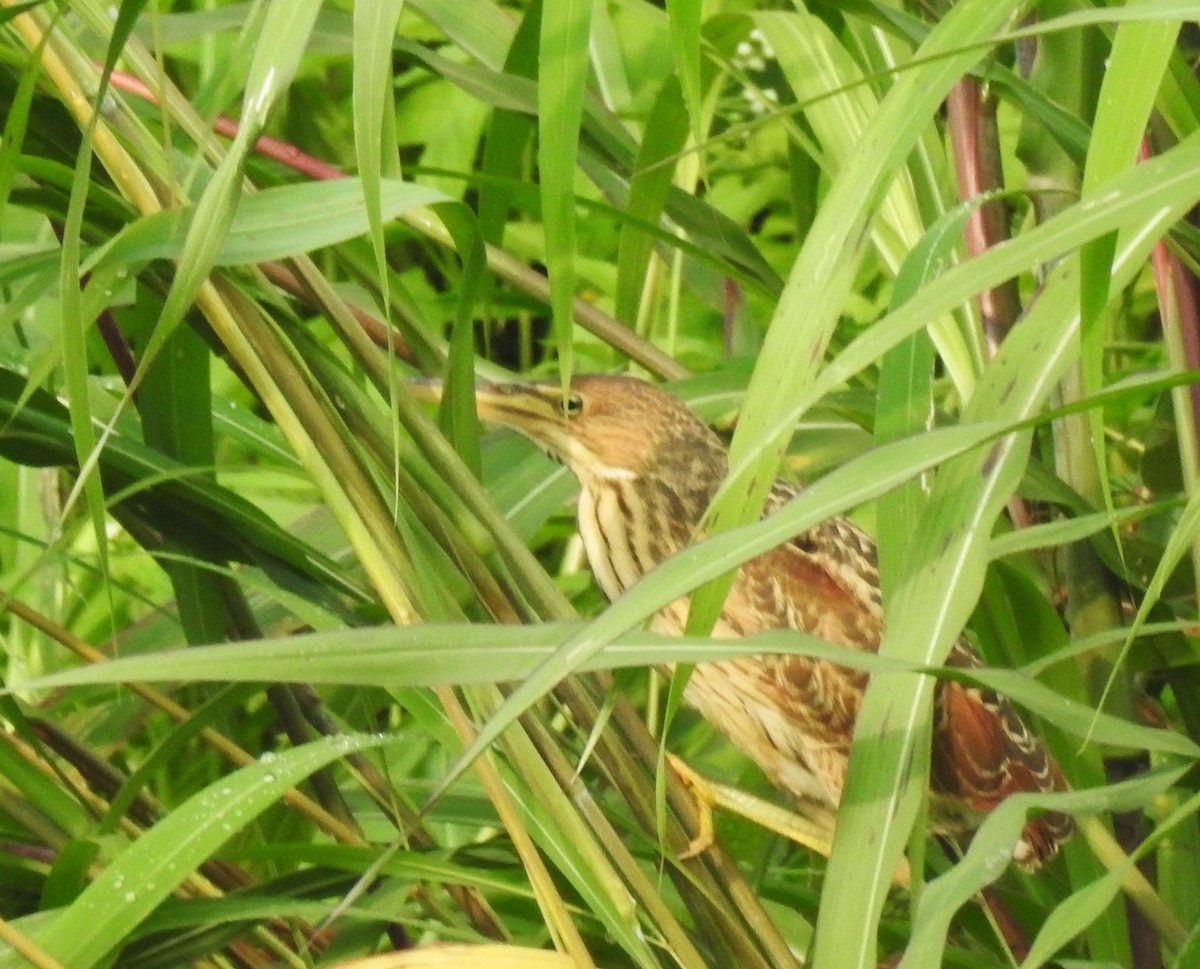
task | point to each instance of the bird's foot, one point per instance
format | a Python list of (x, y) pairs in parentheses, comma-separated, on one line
[(710, 794), (788, 824), (699, 786)]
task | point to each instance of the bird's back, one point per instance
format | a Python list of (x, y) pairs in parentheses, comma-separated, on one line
[(794, 715)]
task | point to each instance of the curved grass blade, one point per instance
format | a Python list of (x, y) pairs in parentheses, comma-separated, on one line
[(990, 852), (140, 877), (447, 654)]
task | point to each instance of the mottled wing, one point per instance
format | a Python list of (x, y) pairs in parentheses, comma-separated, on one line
[(983, 752), (823, 583), (829, 576), (826, 582)]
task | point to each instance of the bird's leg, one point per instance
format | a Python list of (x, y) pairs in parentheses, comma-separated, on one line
[(700, 788), (786, 824), (710, 794)]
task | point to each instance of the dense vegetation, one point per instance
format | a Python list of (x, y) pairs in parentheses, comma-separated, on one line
[(296, 671)]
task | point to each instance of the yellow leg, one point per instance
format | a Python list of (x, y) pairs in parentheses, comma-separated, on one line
[(701, 789), (786, 824), (710, 794)]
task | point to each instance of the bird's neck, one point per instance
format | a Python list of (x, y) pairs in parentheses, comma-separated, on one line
[(630, 525)]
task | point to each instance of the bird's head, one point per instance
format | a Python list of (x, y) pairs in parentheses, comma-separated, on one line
[(603, 427)]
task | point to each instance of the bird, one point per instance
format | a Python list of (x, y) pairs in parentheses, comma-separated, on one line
[(648, 468)]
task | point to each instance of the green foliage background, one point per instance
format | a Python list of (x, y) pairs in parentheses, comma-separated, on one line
[(214, 476)]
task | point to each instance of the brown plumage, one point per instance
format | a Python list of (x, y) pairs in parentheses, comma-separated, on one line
[(648, 469)]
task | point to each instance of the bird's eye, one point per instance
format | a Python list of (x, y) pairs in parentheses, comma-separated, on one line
[(573, 405)]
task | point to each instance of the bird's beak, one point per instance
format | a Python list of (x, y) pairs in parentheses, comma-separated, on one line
[(509, 404)]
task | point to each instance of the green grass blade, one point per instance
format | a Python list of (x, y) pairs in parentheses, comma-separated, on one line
[(284, 36), (562, 77), (374, 27), (140, 877), (666, 131)]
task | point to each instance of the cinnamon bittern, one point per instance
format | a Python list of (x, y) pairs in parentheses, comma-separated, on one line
[(648, 469)]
